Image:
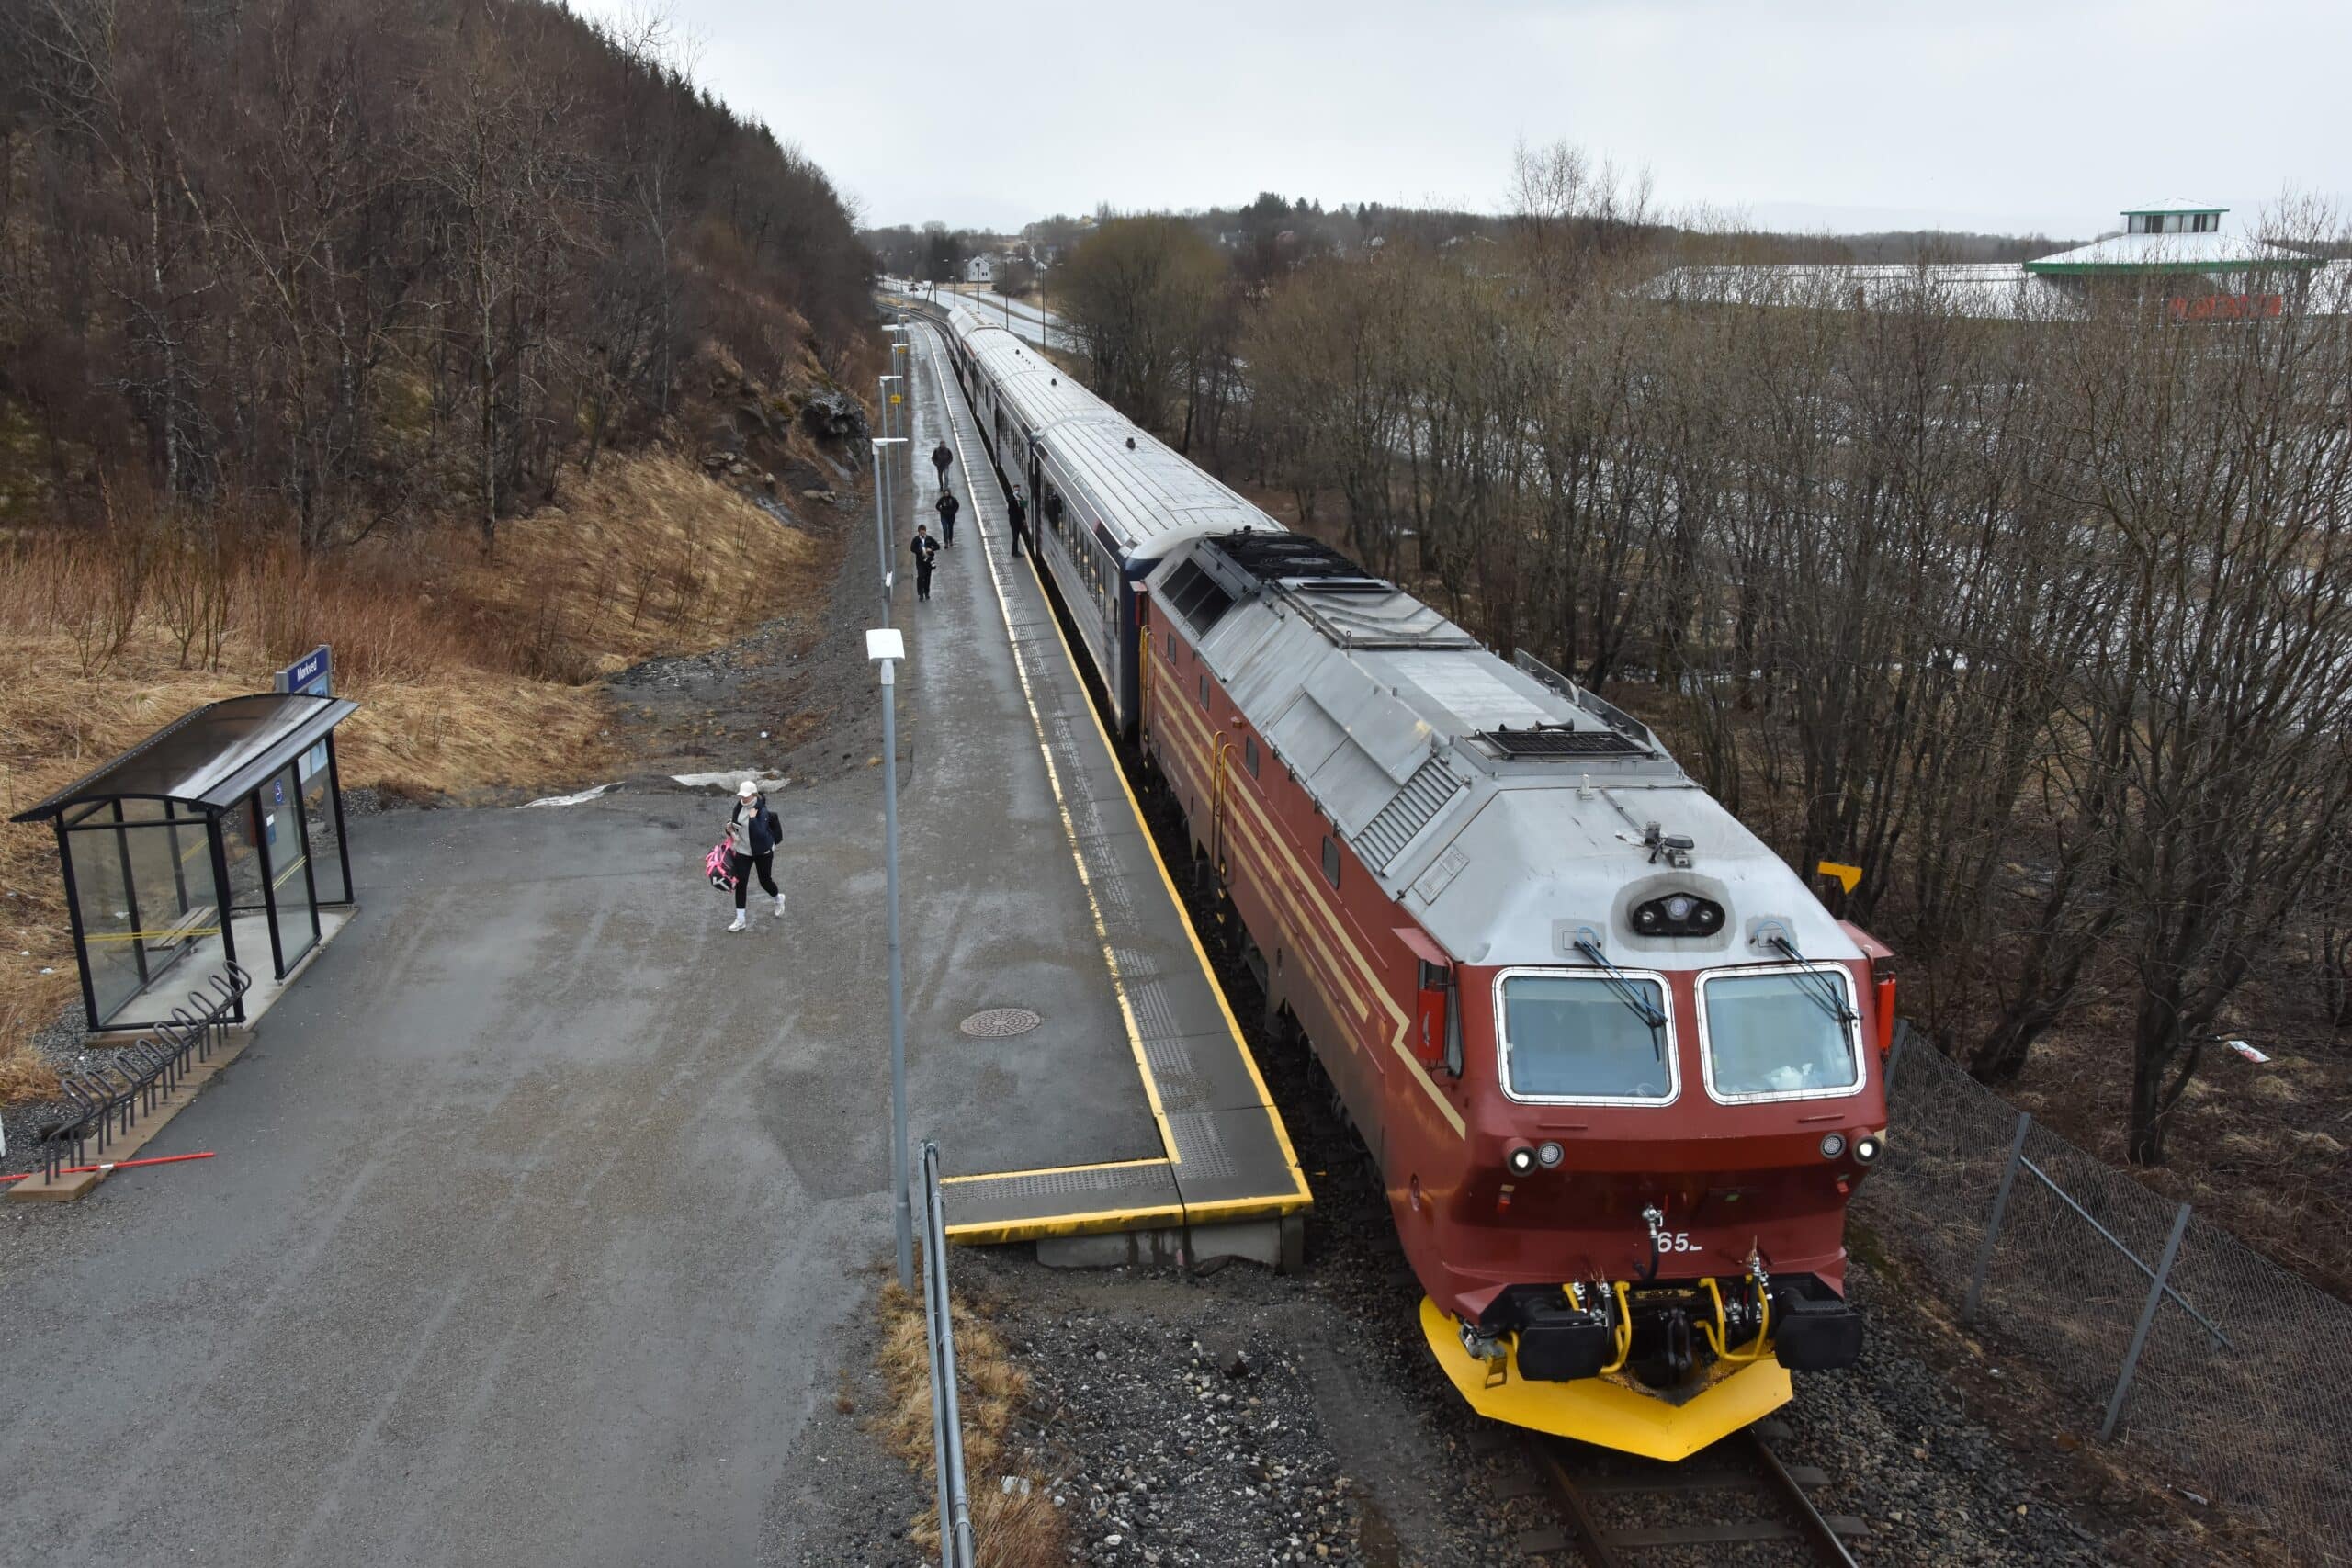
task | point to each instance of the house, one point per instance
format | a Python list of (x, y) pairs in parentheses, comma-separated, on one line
[(981, 269)]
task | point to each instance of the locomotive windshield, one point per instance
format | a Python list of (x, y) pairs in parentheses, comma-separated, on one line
[(1576, 1037), (1768, 1037)]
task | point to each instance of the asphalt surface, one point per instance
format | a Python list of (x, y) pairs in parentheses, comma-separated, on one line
[(546, 1213)]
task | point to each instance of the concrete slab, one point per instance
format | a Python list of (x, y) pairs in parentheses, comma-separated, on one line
[(1185, 1057), (995, 911)]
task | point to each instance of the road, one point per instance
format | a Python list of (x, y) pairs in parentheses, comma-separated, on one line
[(536, 1213)]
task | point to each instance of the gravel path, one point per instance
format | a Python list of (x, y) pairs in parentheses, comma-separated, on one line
[(66, 1043)]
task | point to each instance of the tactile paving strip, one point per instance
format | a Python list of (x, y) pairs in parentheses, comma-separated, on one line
[(1073, 1201)]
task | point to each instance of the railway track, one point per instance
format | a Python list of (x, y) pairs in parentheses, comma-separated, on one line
[(1617, 1511)]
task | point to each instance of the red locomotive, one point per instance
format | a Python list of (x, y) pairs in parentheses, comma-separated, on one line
[(1618, 1069)]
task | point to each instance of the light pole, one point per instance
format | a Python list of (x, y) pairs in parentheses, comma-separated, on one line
[(902, 361), (883, 513), (887, 647)]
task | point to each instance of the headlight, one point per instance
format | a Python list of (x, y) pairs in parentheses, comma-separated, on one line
[(1866, 1148), (1549, 1155), (1832, 1145), (1522, 1159), (1677, 909)]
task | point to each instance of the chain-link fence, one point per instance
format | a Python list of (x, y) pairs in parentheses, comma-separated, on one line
[(2162, 1329)]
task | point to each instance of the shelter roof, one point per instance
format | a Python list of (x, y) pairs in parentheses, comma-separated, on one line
[(209, 757)]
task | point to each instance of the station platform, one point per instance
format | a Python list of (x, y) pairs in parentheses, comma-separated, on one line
[(1032, 885)]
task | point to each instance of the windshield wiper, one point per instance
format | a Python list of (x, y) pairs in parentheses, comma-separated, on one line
[(1615, 978), (1826, 993)]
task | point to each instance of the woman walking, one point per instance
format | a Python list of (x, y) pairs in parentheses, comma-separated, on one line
[(751, 834)]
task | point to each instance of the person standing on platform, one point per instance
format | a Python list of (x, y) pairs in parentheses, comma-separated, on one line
[(1019, 509), (948, 507), (925, 551), (753, 831), (940, 458)]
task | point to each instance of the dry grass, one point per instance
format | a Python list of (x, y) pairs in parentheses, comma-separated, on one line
[(1016, 1528), (471, 675)]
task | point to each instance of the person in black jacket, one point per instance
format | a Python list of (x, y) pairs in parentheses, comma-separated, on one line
[(753, 831), (1019, 510), (940, 458), (925, 549), (948, 507)]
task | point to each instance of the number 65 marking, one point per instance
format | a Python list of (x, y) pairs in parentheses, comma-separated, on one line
[(1675, 1241)]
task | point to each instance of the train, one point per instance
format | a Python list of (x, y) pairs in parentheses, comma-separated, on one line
[(1618, 1067)]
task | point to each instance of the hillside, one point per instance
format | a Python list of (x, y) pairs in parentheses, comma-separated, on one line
[(474, 340)]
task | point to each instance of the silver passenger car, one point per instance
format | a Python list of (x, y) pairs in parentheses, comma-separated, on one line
[(1108, 500)]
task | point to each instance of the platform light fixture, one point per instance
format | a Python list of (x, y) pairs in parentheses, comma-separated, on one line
[(884, 513)]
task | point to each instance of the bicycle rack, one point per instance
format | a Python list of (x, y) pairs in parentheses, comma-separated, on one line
[(107, 1099)]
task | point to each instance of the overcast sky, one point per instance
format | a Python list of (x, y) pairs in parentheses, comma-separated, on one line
[(2003, 115)]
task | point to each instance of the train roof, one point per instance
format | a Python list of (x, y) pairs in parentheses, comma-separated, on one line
[(1500, 802), (1145, 491)]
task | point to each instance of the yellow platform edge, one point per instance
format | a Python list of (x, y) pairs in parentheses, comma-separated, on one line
[(1103, 1222), (1606, 1413)]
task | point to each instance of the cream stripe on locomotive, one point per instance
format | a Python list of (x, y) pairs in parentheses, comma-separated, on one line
[(1312, 921)]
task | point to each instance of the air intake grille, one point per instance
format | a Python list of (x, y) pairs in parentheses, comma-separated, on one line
[(1548, 742), (1267, 556), (1424, 796)]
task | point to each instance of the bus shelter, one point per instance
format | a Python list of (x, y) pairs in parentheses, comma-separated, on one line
[(214, 842)]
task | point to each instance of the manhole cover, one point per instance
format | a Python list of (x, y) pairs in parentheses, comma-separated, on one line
[(997, 1023)]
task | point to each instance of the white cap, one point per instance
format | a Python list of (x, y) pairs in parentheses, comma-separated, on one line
[(747, 789)]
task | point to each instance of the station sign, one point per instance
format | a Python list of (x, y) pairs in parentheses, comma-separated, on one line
[(313, 674)]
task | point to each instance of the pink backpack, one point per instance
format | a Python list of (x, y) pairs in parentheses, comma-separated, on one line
[(719, 866)]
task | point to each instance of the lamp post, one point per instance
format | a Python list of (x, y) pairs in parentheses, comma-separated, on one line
[(902, 361), (883, 513), (887, 647)]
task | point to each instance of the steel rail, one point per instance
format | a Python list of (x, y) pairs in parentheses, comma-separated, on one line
[(1590, 1538), (1759, 1475), (1823, 1536)]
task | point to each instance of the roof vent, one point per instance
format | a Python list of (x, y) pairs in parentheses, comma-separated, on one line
[(1550, 740)]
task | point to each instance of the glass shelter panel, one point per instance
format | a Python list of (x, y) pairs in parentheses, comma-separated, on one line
[(286, 859), (322, 824), (241, 845), (170, 863), (94, 852)]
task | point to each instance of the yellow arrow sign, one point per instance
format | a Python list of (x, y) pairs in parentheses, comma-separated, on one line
[(1848, 877)]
